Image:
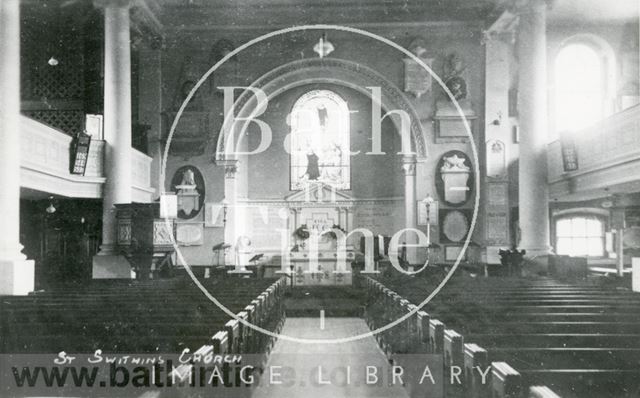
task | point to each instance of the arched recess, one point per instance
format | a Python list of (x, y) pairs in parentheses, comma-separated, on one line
[(334, 71)]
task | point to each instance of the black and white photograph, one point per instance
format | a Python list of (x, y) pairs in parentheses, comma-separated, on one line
[(320, 198)]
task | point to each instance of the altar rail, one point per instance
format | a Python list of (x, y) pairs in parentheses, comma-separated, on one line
[(44, 165), (608, 154)]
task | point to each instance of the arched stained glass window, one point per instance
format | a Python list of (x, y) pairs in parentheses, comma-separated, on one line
[(320, 140)]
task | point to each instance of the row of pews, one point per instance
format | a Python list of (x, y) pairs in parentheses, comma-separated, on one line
[(158, 316), (542, 338)]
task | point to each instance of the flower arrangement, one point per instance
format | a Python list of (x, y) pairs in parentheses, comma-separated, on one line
[(332, 234), (302, 233)]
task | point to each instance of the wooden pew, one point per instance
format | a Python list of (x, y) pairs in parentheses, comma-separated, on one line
[(506, 382), (436, 336), (542, 392), (232, 327), (476, 360), (453, 348), (423, 330), (147, 321)]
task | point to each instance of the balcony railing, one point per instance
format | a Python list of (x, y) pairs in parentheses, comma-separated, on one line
[(605, 153), (45, 153)]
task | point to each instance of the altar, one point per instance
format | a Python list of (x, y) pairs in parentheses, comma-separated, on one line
[(323, 270), (319, 221)]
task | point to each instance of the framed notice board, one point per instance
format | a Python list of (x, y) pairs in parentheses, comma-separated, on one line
[(80, 153)]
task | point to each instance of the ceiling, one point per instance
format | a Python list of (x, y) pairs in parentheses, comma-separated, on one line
[(189, 13), (594, 11), (276, 13)]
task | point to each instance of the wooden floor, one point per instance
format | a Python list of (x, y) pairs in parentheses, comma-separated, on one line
[(306, 359)]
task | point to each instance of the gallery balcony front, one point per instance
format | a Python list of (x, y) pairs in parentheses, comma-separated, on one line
[(45, 165)]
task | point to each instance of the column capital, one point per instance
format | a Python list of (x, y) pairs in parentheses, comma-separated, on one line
[(230, 167), (409, 165), (502, 29), (113, 3), (409, 169), (230, 171)]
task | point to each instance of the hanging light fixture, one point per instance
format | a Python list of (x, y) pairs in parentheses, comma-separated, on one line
[(51, 208), (324, 47)]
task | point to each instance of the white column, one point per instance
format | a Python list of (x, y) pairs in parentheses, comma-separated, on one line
[(117, 133), (532, 102), (409, 171), (17, 273), (620, 251), (231, 197), (286, 244)]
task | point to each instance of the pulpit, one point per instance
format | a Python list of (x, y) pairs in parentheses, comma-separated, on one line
[(144, 238)]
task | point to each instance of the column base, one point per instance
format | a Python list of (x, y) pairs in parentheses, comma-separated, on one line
[(111, 266), (536, 261), (108, 249), (18, 277)]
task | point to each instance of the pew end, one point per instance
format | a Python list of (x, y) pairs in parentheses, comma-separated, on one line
[(506, 382), (436, 336), (453, 350), (542, 392), (475, 357)]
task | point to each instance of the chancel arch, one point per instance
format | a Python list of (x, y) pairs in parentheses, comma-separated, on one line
[(319, 80), (331, 71)]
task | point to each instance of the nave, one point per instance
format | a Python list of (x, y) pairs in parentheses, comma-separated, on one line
[(540, 337), (578, 338), (312, 364)]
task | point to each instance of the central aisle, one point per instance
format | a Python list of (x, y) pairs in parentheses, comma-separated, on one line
[(306, 366)]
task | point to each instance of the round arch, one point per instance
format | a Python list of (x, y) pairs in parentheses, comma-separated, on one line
[(335, 71), (607, 58)]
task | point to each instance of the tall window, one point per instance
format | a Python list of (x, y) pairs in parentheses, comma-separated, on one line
[(320, 140), (580, 87), (580, 236)]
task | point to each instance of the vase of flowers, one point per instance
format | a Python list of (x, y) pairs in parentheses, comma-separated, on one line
[(301, 234), (332, 232)]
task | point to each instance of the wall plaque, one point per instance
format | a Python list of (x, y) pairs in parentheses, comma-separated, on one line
[(455, 226), (454, 178), (497, 228), (450, 125), (188, 184), (417, 80), (189, 233), (497, 194), (496, 159)]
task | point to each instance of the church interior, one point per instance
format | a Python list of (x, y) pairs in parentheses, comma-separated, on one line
[(258, 177)]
